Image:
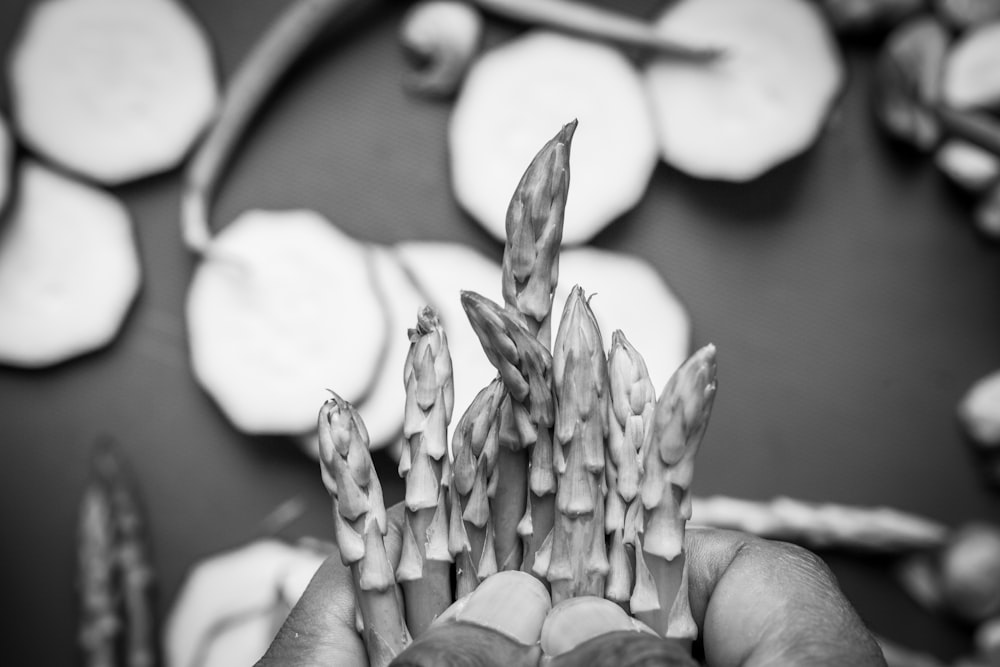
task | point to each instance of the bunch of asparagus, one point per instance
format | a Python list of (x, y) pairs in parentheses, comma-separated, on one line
[(566, 466)]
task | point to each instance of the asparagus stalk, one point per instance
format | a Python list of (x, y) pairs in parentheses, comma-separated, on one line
[(100, 623), (592, 21), (578, 561), (116, 575), (822, 525), (530, 272), (360, 521), (425, 563), (132, 557), (474, 446), (631, 412), (681, 415), (524, 365), (270, 58)]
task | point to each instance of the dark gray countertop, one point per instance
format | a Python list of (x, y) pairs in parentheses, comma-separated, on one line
[(851, 301)]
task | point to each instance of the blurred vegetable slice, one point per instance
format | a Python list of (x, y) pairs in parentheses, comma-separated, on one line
[(979, 410), (69, 269), (763, 101), (281, 307), (972, 69), (111, 89), (661, 328), (231, 604), (516, 93)]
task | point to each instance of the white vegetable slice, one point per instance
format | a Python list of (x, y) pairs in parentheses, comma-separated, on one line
[(972, 69), (281, 308), (971, 167), (628, 293), (442, 270), (69, 269), (112, 89), (232, 603), (517, 95), (762, 102)]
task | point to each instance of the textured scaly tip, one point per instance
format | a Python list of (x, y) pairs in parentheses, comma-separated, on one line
[(360, 525), (523, 362), (534, 230), (578, 561), (668, 454), (632, 401), (579, 371), (346, 464), (428, 379), (581, 389)]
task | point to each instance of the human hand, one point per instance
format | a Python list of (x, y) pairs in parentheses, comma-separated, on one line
[(756, 602)]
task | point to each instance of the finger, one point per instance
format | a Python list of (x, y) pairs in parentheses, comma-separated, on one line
[(320, 629), (762, 602)]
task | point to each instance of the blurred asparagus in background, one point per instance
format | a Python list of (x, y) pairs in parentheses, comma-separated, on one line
[(115, 571)]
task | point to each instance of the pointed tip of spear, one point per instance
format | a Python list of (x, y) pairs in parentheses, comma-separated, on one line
[(534, 229)]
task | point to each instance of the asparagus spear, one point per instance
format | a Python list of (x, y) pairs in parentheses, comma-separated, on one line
[(100, 623), (116, 575), (681, 415), (631, 411), (578, 562), (425, 563), (822, 525), (530, 272), (474, 446), (360, 520), (132, 557), (524, 365)]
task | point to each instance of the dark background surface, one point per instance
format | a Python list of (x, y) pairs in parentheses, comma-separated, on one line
[(851, 301)]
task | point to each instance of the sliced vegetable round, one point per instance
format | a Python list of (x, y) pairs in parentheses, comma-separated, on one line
[(111, 89), (282, 307), (516, 93), (69, 269), (628, 293), (762, 102), (231, 604), (972, 70)]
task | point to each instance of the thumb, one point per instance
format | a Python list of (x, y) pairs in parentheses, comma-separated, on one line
[(321, 628)]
